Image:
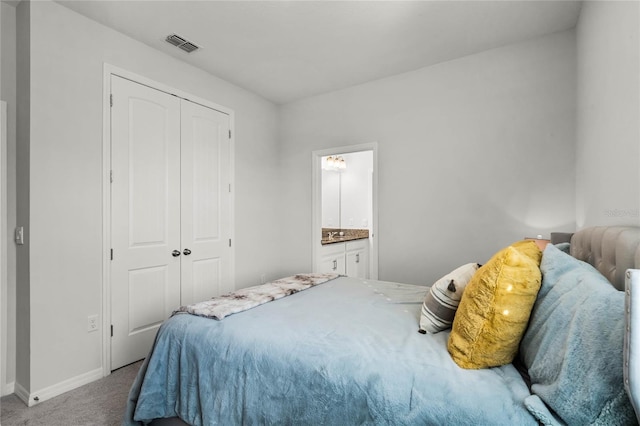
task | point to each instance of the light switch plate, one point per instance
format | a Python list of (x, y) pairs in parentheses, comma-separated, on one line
[(20, 235)]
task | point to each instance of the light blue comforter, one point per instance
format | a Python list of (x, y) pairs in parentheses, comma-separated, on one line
[(345, 352)]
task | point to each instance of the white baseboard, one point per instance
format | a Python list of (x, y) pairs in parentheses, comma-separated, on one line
[(49, 392), (8, 388)]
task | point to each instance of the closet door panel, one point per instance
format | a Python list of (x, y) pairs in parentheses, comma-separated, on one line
[(149, 174), (203, 174), (205, 203), (148, 289)]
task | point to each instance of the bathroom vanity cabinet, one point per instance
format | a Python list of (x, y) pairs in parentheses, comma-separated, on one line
[(349, 258)]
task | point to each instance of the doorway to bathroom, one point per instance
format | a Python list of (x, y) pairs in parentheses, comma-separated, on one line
[(345, 210)]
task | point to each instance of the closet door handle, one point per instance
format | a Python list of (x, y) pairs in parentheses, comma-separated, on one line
[(186, 252), (175, 253), (357, 257), (335, 265)]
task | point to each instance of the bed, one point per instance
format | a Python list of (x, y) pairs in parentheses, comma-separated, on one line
[(348, 351)]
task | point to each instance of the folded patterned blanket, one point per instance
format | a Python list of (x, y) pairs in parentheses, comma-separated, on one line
[(250, 297)]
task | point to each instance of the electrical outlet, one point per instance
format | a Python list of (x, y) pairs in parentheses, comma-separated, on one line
[(92, 323)]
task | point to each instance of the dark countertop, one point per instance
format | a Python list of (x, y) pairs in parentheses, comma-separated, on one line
[(348, 235)]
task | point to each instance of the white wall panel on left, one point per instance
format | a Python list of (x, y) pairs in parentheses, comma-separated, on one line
[(8, 94)]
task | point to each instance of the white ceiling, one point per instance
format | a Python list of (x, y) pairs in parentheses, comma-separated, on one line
[(288, 50)]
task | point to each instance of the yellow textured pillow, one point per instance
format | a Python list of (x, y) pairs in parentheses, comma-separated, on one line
[(495, 308)]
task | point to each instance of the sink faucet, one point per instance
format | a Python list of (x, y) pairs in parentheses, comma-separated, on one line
[(331, 235)]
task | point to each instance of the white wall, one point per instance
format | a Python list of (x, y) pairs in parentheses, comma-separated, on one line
[(8, 94), (473, 154), (66, 58), (608, 114)]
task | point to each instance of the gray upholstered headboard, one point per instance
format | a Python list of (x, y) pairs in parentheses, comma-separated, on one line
[(610, 249)]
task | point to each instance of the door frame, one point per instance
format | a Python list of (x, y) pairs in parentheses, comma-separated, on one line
[(108, 71), (316, 201)]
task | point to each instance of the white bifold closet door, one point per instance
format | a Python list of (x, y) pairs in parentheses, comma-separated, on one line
[(170, 211)]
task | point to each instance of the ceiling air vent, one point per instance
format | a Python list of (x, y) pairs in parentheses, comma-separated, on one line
[(188, 47), (182, 43)]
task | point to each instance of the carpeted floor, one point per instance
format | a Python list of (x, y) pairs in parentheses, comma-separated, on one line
[(99, 403)]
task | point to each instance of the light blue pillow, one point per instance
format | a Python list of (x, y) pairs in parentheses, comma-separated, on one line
[(573, 345)]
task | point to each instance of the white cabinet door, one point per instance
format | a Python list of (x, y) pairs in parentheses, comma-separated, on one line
[(357, 259), (332, 259), (206, 203), (145, 216), (350, 258)]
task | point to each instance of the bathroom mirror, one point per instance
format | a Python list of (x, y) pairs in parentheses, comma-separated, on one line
[(331, 189), (347, 190)]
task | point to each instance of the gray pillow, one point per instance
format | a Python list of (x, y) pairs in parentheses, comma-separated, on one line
[(442, 300)]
